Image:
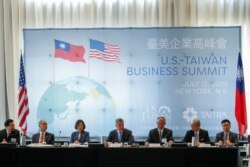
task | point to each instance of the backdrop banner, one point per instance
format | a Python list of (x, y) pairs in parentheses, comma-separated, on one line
[(138, 74)]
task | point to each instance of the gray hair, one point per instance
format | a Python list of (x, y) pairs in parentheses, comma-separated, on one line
[(196, 121), (118, 120), (163, 118), (42, 121)]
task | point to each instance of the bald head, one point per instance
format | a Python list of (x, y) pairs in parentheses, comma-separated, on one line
[(161, 122)]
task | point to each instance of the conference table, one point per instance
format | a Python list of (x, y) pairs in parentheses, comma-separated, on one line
[(118, 157)]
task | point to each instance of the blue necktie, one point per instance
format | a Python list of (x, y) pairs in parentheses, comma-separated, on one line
[(119, 136), (160, 135)]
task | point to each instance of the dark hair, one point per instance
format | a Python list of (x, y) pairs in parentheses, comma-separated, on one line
[(7, 122), (225, 120), (78, 122)]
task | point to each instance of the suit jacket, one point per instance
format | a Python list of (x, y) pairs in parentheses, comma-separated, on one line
[(203, 136), (126, 136), (154, 136), (49, 138), (13, 135), (83, 138), (233, 137)]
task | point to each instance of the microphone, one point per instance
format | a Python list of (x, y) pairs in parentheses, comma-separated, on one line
[(59, 133), (21, 132)]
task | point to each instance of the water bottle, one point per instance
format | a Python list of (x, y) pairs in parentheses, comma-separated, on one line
[(193, 142), (22, 140), (103, 140)]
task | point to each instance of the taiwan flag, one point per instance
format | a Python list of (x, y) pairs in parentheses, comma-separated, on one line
[(69, 52), (240, 100)]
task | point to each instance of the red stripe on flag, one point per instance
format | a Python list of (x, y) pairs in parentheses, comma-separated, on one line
[(241, 112)]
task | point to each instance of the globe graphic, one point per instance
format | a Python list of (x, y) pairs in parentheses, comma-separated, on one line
[(75, 98)]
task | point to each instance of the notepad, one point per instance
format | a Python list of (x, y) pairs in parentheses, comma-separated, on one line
[(113, 145), (154, 145)]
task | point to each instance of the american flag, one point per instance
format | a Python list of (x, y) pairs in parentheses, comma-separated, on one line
[(104, 51), (23, 107)]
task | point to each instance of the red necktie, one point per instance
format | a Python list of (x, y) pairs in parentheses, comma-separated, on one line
[(42, 137), (226, 136)]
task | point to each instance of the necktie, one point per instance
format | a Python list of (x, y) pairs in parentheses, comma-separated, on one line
[(120, 136), (160, 136), (196, 137), (42, 137), (226, 137)]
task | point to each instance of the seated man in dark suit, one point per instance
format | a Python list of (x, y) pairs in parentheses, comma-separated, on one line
[(43, 136), (226, 137), (156, 135), (120, 134), (9, 134), (200, 135)]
